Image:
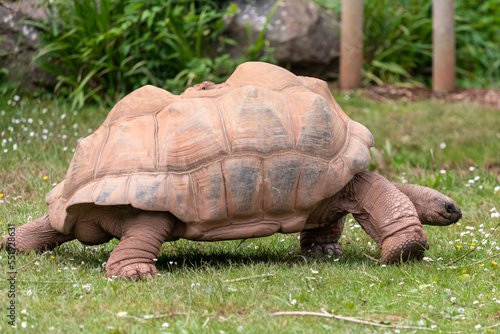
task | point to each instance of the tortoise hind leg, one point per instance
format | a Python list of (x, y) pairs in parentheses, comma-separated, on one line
[(142, 236), (323, 240), (37, 235)]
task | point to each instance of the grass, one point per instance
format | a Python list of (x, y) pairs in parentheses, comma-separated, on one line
[(199, 289)]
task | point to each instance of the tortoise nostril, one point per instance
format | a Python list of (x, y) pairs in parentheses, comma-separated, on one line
[(449, 208)]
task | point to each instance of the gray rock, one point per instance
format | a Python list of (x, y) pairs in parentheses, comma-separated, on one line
[(19, 44), (305, 37)]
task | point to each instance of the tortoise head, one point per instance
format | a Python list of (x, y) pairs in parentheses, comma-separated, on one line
[(442, 211), (433, 208), (437, 209)]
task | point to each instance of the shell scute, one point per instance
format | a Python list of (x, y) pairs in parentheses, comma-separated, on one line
[(145, 100), (82, 166), (256, 120), (243, 181), (190, 134), (280, 183), (321, 132), (126, 138), (210, 193)]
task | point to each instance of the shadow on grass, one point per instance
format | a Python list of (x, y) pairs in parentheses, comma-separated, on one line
[(182, 255)]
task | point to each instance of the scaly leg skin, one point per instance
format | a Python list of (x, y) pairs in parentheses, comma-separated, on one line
[(141, 238), (37, 235), (323, 240), (384, 212)]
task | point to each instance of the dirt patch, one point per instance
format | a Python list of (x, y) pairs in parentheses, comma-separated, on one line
[(484, 96)]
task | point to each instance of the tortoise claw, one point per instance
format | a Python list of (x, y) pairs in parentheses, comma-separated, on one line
[(330, 249)]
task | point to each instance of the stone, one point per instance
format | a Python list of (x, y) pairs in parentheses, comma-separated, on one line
[(305, 38), (19, 43)]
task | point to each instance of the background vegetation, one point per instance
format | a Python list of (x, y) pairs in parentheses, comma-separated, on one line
[(108, 48), (398, 42), (103, 50)]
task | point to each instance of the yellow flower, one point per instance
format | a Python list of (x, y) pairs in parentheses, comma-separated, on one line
[(52, 256), (473, 244), (494, 263), (481, 265), (464, 271), (45, 177), (1, 195), (458, 246)]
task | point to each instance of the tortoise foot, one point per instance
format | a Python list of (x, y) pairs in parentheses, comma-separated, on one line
[(404, 248), (327, 248), (134, 271)]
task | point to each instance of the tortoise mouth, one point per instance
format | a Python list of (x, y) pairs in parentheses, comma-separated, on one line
[(451, 218)]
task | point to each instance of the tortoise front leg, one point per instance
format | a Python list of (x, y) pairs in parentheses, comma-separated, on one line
[(386, 214), (37, 235), (141, 238), (323, 240)]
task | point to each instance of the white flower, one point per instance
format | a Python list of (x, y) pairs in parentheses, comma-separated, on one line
[(472, 168), (442, 145), (24, 324), (477, 326), (165, 324), (121, 314)]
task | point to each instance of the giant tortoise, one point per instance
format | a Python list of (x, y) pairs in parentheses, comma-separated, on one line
[(264, 152)]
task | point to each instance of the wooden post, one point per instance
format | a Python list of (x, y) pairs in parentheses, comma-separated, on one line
[(351, 43), (443, 41)]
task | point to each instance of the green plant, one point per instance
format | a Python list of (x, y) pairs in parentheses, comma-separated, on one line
[(398, 41), (103, 49), (478, 40)]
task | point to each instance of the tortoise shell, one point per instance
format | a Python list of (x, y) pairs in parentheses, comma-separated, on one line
[(246, 158)]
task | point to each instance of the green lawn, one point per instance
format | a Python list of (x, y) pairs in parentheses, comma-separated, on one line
[(234, 286)]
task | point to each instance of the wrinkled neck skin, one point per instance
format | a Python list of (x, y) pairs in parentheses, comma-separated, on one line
[(385, 213), (433, 208)]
